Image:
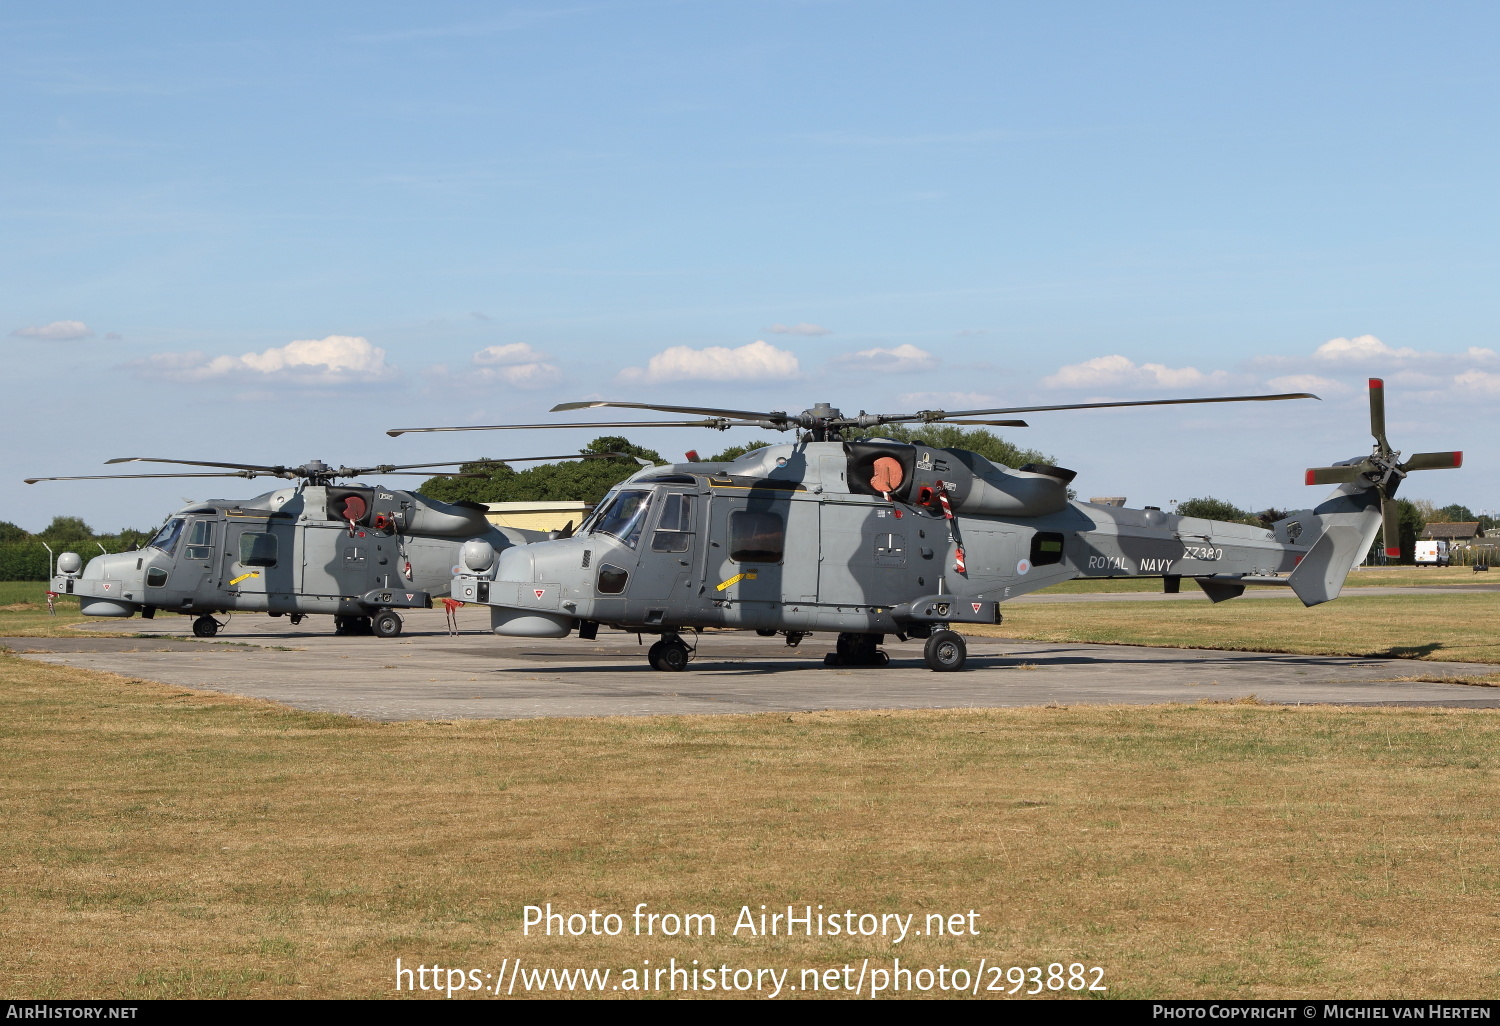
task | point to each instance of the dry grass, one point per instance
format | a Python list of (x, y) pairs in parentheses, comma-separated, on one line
[(1457, 627), (1364, 577), (161, 842)]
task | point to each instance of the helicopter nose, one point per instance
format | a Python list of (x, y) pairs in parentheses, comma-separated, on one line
[(516, 563)]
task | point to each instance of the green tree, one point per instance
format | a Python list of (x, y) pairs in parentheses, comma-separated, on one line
[(1454, 514), (570, 480), (1209, 508), (68, 531), (10, 532), (1413, 521), (734, 452)]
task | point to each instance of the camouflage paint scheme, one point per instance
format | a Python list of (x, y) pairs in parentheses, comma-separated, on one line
[(216, 558), (855, 561)]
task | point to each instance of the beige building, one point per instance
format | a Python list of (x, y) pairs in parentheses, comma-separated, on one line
[(538, 516)]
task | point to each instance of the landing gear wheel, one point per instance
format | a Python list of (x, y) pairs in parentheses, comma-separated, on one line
[(669, 655), (945, 651), (857, 650), (296, 618), (205, 626), (386, 624)]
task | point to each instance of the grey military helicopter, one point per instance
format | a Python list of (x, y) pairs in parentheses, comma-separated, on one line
[(356, 551), (869, 537)]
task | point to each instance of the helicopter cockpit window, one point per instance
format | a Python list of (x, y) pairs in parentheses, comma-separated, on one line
[(674, 530), (166, 539), (756, 536), (625, 517), (201, 540), (257, 549)]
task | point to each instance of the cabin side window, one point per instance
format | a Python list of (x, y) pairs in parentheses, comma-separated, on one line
[(756, 536), (1046, 548), (674, 530), (257, 549), (201, 540)]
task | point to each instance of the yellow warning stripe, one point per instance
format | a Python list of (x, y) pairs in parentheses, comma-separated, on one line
[(748, 575), (241, 577)]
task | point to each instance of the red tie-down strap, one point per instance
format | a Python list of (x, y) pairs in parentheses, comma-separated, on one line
[(958, 550)]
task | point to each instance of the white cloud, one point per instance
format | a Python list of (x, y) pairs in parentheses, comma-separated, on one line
[(1478, 382), (1360, 349), (517, 365), (57, 331), (756, 361), (336, 359), (904, 359), (1121, 372), (1307, 383), (803, 328)]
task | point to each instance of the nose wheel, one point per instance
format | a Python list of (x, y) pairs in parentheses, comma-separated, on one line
[(386, 624), (669, 654), (945, 651)]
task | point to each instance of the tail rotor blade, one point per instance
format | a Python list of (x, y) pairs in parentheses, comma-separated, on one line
[(1335, 475), (1377, 413), (1434, 461), (1390, 527)]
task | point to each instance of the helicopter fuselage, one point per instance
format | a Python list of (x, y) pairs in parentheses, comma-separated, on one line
[(347, 550), (871, 537)]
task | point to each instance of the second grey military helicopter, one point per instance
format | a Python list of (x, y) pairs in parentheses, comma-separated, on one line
[(355, 551), (872, 537)]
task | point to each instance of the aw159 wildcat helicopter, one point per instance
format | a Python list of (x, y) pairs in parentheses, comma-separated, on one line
[(871, 537), (356, 551)]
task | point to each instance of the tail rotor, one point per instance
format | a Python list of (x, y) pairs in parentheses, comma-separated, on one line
[(1383, 471)]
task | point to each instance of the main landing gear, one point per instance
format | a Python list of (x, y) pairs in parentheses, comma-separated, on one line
[(857, 650), (670, 653), (384, 624), (206, 626)]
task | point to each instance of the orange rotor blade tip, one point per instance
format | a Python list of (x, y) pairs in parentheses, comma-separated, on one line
[(1311, 474), (1394, 552), (1377, 383), (1458, 459)]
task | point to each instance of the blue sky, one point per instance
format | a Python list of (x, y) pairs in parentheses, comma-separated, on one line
[(270, 234)]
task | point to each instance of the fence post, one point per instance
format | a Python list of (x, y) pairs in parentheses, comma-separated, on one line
[(49, 561)]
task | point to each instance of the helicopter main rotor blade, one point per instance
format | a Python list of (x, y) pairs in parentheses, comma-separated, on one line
[(991, 423), (705, 410), (118, 477), (198, 463), (942, 415), (719, 425)]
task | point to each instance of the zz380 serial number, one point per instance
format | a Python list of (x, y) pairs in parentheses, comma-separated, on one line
[(1202, 552)]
